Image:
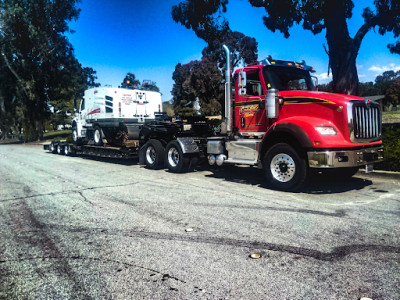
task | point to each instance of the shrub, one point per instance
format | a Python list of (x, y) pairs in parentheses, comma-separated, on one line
[(391, 142), (30, 135)]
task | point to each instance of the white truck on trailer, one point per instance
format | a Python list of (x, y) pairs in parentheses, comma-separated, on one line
[(114, 115)]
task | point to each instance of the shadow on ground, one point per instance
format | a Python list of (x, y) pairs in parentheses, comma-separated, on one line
[(316, 185), (253, 176)]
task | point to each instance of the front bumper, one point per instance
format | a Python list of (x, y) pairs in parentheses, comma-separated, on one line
[(345, 158)]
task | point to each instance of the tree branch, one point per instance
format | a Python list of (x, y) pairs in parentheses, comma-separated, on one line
[(14, 72), (363, 31)]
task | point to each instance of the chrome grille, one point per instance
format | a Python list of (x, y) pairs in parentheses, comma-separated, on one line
[(364, 121)]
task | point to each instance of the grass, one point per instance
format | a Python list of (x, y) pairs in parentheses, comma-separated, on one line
[(391, 117), (47, 136), (58, 134)]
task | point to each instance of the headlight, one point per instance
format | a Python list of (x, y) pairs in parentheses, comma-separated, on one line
[(326, 130)]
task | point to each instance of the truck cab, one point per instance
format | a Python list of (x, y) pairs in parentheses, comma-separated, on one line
[(277, 120)]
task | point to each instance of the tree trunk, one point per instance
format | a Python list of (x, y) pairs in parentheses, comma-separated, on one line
[(343, 50), (344, 70), (39, 128)]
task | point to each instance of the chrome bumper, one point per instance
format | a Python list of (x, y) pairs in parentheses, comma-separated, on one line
[(342, 159)]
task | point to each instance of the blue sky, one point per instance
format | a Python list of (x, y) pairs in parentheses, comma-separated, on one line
[(121, 36)]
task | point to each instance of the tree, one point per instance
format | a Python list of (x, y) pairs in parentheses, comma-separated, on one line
[(240, 45), (313, 15), (130, 82), (149, 85), (184, 96), (392, 96), (37, 54)]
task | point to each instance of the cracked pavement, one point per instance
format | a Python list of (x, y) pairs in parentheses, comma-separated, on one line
[(90, 228)]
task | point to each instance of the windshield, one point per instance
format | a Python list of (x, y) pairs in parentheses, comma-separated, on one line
[(287, 78)]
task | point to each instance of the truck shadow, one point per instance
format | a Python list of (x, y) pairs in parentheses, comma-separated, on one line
[(316, 185), (253, 176), (111, 160)]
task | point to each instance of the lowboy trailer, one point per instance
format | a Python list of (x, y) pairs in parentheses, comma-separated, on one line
[(275, 119)]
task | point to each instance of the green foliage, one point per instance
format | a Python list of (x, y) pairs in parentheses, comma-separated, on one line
[(37, 63), (391, 142), (197, 80), (30, 134), (168, 108), (203, 16), (130, 82), (206, 19), (392, 95)]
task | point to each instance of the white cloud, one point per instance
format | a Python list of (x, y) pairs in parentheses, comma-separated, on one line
[(362, 75), (324, 77), (380, 69)]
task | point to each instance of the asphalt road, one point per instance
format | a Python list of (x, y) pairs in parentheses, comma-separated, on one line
[(85, 228)]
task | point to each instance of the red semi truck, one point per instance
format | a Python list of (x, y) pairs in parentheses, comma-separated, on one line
[(274, 119)]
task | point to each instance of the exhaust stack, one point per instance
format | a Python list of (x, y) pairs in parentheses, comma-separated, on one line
[(228, 88)]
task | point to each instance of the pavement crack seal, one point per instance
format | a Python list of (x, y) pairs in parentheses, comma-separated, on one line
[(65, 192), (161, 276), (84, 197), (23, 216), (336, 254)]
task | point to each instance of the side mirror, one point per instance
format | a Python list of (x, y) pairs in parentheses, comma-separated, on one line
[(242, 83)]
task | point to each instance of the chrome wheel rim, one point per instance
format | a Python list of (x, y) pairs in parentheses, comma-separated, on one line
[(150, 154), (59, 149), (173, 157), (66, 150), (283, 167), (75, 135), (97, 136)]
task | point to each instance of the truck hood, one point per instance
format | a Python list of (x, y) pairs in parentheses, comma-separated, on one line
[(316, 97)]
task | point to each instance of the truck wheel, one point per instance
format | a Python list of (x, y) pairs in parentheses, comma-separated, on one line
[(153, 154), (284, 168), (176, 162), (98, 136), (77, 140), (59, 150)]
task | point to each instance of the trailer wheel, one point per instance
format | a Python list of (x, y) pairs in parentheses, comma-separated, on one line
[(66, 150), (153, 154), (284, 168), (176, 161), (59, 150), (98, 136)]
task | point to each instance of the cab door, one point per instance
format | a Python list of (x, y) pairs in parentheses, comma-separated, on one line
[(250, 114)]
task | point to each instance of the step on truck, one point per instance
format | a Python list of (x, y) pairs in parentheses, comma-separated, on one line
[(274, 119)]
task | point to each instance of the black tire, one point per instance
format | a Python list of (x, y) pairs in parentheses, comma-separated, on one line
[(67, 151), (284, 168), (154, 154), (53, 148), (59, 149), (98, 136), (175, 160)]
